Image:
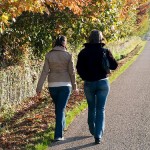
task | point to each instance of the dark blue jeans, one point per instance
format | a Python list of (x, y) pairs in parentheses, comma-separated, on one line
[(96, 94), (60, 96)]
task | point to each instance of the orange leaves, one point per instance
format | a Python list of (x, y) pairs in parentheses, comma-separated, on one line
[(39, 5), (32, 117), (130, 5), (142, 12), (1, 119), (38, 116), (13, 8), (74, 5)]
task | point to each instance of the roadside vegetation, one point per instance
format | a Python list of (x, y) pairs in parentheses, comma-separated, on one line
[(27, 34)]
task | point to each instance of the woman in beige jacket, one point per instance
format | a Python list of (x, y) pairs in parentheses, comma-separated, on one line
[(59, 68)]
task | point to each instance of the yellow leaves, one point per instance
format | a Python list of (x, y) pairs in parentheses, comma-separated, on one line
[(1, 29), (3, 22), (5, 17), (94, 18)]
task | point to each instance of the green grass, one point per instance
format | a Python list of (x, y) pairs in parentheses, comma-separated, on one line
[(124, 47), (74, 112), (46, 139), (43, 140), (127, 64), (143, 27)]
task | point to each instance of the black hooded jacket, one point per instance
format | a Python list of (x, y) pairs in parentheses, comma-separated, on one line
[(89, 63)]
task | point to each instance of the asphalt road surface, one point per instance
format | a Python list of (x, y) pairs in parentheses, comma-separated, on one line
[(127, 114)]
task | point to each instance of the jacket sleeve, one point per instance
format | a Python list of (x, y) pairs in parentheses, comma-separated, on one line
[(45, 72), (81, 66), (72, 74), (113, 63)]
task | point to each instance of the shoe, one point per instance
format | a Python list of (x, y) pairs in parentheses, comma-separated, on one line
[(97, 141), (59, 139)]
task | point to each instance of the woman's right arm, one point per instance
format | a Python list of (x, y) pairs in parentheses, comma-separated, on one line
[(72, 74), (43, 76)]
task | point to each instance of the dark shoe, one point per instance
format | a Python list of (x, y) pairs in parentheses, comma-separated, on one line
[(97, 141)]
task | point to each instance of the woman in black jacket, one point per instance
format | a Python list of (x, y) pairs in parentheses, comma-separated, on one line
[(96, 84)]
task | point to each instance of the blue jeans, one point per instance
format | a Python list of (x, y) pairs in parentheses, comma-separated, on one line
[(96, 94), (60, 96)]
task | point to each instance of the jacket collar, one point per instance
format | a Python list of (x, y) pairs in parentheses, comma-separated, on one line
[(59, 48), (94, 44)]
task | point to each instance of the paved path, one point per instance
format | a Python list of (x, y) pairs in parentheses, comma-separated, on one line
[(127, 114)]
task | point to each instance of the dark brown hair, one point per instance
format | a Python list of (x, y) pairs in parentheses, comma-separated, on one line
[(59, 41)]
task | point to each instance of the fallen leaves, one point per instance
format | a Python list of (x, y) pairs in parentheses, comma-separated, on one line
[(32, 118)]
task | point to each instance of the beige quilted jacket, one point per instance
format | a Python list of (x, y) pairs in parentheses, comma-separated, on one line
[(58, 66)]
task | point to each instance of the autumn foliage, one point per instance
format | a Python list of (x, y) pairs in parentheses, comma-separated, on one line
[(28, 29), (30, 26), (10, 9)]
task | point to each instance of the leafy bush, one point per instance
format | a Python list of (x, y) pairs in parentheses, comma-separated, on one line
[(32, 34)]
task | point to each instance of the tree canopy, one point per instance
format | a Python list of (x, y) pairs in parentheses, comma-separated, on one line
[(32, 25)]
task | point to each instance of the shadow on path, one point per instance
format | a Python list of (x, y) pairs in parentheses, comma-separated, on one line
[(81, 146), (73, 139)]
